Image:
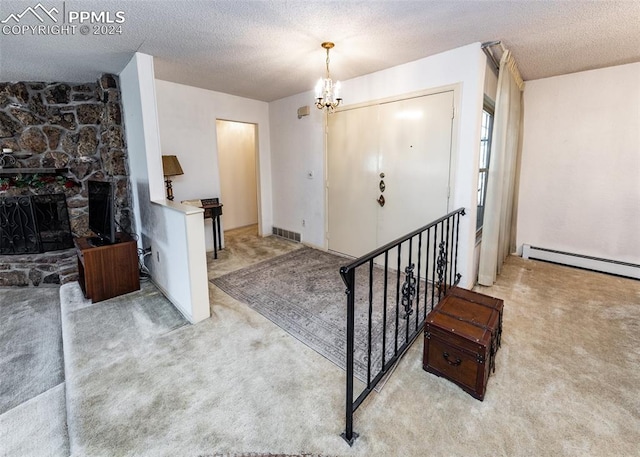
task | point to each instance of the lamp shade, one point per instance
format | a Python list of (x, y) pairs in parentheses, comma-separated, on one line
[(171, 166)]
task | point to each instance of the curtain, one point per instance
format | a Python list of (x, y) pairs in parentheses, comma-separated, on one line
[(498, 230)]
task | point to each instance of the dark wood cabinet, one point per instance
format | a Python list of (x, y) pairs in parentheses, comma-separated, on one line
[(107, 271)]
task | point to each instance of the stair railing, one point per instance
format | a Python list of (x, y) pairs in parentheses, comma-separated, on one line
[(388, 301)]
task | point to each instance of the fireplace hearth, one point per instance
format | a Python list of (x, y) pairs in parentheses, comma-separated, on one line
[(34, 224)]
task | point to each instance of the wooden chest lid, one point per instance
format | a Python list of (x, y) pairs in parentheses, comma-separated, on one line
[(469, 319)]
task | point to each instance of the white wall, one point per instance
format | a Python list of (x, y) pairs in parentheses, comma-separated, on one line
[(174, 232), (297, 145), (187, 117), (580, 179), (237, 163)]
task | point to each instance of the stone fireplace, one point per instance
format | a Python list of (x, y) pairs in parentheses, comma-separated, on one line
[(54, 137)]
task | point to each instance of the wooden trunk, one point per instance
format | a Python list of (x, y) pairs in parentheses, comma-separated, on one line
[(462, 335)]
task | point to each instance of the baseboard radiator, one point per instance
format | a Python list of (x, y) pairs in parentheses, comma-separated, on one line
[(615, 267)]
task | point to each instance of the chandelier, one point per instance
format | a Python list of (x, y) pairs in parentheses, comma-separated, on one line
[(328, 92)]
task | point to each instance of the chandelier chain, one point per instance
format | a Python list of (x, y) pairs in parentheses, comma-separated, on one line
[(328, 75)]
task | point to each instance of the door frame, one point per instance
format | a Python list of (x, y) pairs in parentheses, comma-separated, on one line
[(453, 153), (256, 144)]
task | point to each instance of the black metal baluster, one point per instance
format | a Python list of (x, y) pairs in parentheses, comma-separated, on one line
[(435, 265), (418, 284), (370, 319), (349, 277), (409, 296), (441, 263), (426, 274), (398, 297), (457, 218), (384, 310), (447, 270)]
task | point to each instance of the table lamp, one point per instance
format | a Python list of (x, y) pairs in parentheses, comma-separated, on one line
[(171, 167)]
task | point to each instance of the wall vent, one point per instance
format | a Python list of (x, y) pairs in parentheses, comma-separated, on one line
[(615, 267), (288, 234)]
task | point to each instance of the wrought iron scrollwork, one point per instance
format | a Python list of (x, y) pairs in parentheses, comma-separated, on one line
[(441, 264), (408, 291), (33, 224)]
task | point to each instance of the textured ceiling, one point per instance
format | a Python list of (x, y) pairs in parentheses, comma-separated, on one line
[(267, 50)]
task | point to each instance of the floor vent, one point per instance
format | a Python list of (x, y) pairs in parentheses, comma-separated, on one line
[(288, 234), (615, 267)]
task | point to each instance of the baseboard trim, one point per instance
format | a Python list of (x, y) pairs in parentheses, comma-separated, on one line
[(614, 267)]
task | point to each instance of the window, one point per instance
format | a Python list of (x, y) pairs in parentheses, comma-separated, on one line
[(483, 173)]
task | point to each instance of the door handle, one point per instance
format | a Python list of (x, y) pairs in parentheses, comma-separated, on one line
[(381, 200)]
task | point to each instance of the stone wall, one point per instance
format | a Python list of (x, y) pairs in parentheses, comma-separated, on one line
[(63, 125), (75, 126)]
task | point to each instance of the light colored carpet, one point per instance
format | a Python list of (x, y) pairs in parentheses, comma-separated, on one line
[(566, 382), (302, 292), (37, 427), (30, 344), (99, 337)]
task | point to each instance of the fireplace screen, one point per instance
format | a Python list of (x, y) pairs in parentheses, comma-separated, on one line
[(34, 224)]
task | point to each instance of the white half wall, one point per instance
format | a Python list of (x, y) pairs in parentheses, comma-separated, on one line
[(187, 117), (297, 145), (580, 179), (174, 233), (178, 260)]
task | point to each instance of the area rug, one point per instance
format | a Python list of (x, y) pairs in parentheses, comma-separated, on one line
[(303, 293), (30, 344)]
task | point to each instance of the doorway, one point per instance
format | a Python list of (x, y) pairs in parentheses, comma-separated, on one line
[(237, 163), (388, 170)]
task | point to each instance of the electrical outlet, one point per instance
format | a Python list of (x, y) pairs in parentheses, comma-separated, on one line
[(304, 223)]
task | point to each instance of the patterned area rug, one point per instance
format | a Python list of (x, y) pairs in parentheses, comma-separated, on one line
[(302, 292)]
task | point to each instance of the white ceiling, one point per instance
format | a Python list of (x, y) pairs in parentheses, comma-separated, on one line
[(270, 49)]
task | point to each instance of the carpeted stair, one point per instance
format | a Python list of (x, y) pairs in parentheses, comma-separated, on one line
[(32, 388), (112, 330)]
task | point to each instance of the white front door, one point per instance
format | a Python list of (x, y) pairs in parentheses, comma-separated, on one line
[(351, 180), (405, 144)]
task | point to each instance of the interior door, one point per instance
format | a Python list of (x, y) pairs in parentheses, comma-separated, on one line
[(399, 150), (415, 145), (415, 151), (352, 171)]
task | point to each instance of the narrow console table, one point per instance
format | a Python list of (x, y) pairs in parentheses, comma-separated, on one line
[(107, 271), (213, 210)]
